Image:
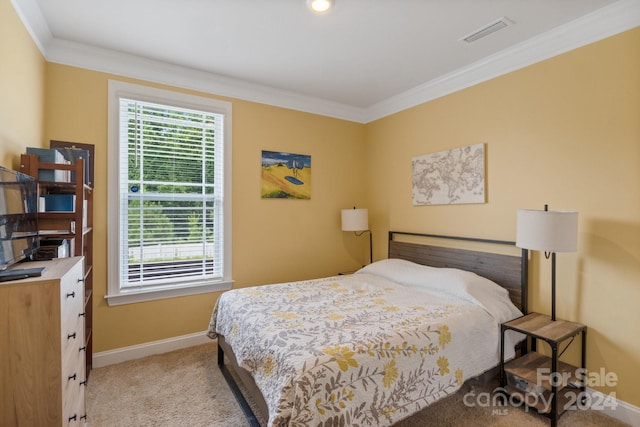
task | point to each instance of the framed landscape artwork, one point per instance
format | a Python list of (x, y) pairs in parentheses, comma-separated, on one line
[(286, 175)]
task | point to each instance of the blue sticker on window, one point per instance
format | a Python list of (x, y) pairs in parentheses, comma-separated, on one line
[(134, 188)]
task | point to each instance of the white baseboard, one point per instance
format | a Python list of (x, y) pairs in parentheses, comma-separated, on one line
[(618, 409), (123, 354)]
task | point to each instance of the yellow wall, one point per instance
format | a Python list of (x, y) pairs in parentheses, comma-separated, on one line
[(565, 132), (22, 70), (273, 240)]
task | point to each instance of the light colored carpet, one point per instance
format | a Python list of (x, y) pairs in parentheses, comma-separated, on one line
[(185, 388)]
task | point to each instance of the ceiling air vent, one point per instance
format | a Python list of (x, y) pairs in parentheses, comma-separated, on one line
[(488, 29)]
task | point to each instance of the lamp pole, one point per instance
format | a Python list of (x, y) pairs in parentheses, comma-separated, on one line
[(553, 286)]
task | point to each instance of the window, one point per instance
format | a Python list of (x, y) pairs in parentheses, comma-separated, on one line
[(169, 198)]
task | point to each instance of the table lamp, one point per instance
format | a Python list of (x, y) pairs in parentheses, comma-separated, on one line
[(551, 232), (357, 220)]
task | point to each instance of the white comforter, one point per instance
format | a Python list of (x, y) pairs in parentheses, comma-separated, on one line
[(366, 349)]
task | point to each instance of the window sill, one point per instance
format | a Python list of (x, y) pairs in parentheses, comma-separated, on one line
[(132, 297)]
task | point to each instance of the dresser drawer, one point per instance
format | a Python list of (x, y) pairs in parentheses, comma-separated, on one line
[(75, 415), (72, 306), (73, 358), (71, 310), (73, 387), (71, 296), (74, 412), (72, 345), (73, 338)]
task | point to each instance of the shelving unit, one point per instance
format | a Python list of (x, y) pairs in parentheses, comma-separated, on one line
[(75, 226)]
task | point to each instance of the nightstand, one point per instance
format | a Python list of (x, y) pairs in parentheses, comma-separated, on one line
[(538, 381)]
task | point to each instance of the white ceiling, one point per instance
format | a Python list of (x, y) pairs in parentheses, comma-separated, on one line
[(362, 60)]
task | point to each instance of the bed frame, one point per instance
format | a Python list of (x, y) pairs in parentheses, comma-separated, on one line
[(509, 271)]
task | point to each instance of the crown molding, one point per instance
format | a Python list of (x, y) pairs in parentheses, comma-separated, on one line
[(602, 23), (31, 16), (118, 63), (605, 22)]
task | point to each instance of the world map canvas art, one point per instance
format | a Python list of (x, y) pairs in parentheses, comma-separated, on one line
[(450, 177), (286, 175)]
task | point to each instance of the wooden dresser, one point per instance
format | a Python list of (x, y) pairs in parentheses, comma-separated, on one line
[(42, 346)]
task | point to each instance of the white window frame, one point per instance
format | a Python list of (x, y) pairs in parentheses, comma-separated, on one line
[(116, 90)]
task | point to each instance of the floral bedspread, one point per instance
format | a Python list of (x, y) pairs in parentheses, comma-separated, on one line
[(353, 350)]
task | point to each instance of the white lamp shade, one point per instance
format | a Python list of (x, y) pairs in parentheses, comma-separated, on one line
[(355, 219), (549, 231)]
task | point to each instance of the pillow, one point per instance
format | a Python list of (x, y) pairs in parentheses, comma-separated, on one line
[(450, 281), (392, 268)]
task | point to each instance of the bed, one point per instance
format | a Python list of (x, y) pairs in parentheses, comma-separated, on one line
[(376, 346)]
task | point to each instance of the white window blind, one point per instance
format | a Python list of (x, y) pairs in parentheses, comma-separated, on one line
[(169, 213), (171, 175)]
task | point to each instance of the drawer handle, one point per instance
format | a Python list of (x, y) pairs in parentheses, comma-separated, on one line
[(80, 280), (84, 417), (72, 377), (83, 382), (71, 294), (82, 349), (73, 335), (73, 418), (82, 314)]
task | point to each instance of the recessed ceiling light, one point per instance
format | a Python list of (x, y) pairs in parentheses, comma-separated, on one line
[(320, 6)]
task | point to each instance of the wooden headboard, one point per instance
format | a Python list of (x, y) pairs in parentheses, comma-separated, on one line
[(508, 271)]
